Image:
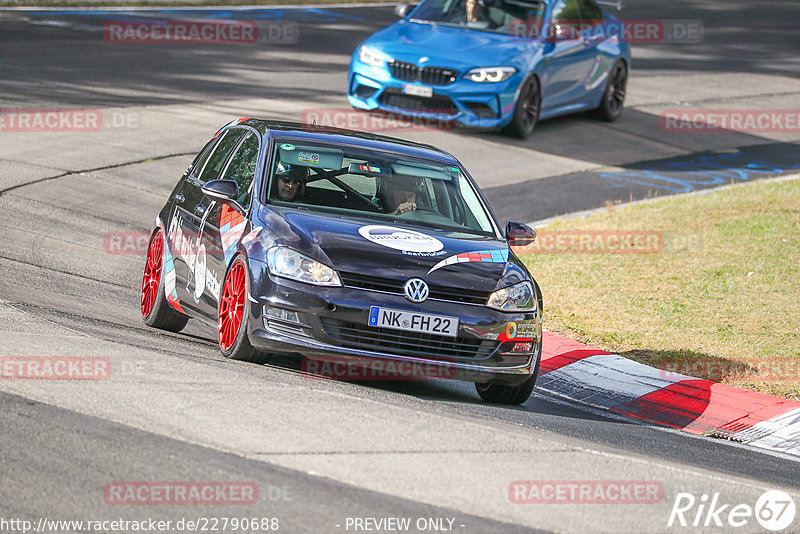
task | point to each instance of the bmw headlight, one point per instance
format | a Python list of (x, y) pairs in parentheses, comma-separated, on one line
[(372, 57), (490, 74), (516, 298), (283, 261)]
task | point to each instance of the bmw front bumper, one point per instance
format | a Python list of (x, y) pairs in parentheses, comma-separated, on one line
[(467, 103)]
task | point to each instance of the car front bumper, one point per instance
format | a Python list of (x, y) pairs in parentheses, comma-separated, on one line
[(331, 327), (463, 102)]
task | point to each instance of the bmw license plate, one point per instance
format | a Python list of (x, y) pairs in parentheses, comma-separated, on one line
[(442, 325), (417, 90)]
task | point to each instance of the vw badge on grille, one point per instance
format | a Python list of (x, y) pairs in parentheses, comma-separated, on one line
[(416, 290)]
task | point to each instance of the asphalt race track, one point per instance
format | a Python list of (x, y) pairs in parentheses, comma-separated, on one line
[(323, 453)]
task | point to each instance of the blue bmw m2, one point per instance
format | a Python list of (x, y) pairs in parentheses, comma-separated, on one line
[(494, 64)]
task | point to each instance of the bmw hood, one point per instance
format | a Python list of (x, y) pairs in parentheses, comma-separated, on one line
[(446, 46), (366, 247)]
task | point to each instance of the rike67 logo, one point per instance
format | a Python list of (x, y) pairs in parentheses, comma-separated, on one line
[(774, 511)]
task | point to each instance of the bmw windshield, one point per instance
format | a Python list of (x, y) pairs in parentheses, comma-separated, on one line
[(377, 185), (499, 16)]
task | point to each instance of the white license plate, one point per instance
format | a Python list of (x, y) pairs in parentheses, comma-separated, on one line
[(442, 325), (417, 90)]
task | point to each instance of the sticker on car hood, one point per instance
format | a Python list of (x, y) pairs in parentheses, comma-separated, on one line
[(490, 256), (400, 239)]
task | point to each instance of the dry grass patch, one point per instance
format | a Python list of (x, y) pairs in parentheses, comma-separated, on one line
[(721, 300)]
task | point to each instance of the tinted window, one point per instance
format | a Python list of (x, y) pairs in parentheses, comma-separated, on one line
[(591, 12), (374, 185), (567, 11), (219, 155), (513, 17), (242, 167), (566, 20)]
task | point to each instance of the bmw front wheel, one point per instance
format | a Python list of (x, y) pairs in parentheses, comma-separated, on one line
[(526, 110), (614, 96)]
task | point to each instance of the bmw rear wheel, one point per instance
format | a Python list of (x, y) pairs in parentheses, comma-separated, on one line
[(233, 315), (526, 110), (156, 311), (614, 96)]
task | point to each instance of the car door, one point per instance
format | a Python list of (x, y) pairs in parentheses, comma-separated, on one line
[(567, 59), (225, 223), (190, 218)]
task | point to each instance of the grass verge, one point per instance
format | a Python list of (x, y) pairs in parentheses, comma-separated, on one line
[(707, 285)]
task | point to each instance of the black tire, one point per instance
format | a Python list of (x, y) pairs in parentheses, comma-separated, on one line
[(613, 100), (500, 394), (241, 349), (161, 315), (526, 109)]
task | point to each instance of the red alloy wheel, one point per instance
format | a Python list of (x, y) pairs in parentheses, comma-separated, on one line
[(231, 306), (152, 273)]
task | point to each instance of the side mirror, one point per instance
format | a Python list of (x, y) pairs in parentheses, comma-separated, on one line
[(222, 189), (404, 10), (519, 235)]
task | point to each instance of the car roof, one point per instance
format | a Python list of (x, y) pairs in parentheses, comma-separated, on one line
[(299, 132)]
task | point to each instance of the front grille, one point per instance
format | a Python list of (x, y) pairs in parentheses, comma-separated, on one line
[(438, 76), (409, 72), (404, 71), (436, 104), (396, 342), (389, 285)]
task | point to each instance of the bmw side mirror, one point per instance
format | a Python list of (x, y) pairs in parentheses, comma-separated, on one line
[(221, 189), (404, 10), (519, 235)]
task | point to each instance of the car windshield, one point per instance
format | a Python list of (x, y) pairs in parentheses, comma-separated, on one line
[(377, 185), (512, 17)]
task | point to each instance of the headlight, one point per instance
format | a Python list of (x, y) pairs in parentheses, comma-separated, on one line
[(490, 74), (518, 297), (372, 57), (283, 261)]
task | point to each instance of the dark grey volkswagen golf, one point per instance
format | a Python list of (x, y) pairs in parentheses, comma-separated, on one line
[(345, 247)]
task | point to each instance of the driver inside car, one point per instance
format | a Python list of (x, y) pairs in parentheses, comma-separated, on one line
[(289, 182), (401, 194)]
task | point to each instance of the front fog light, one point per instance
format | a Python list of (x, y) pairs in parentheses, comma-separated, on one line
[(518, 297), (281, 314)]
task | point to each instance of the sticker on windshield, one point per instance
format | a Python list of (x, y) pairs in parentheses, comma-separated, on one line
[(489, 256), (370, 168), (400, 239), (308, 157), (287, 146)]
